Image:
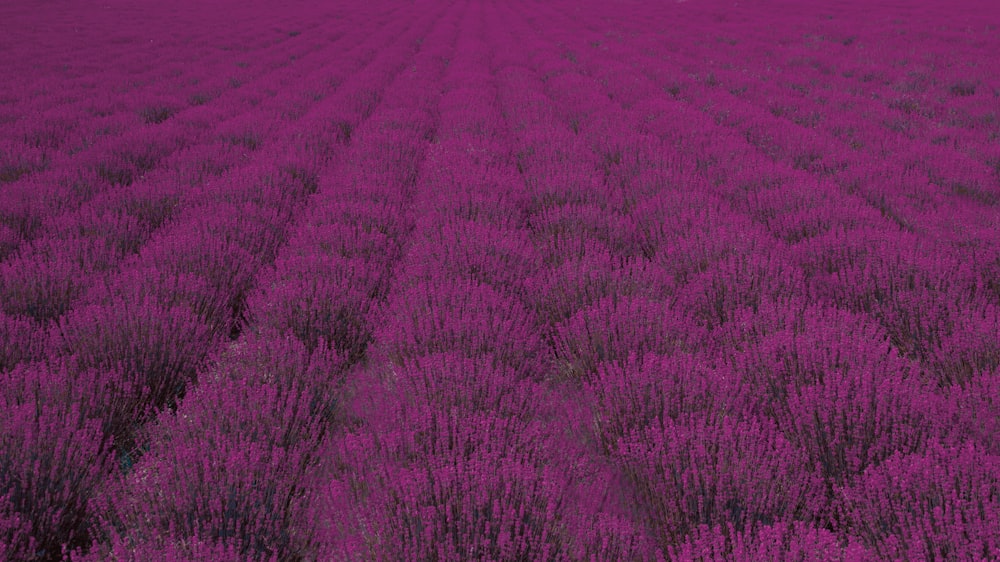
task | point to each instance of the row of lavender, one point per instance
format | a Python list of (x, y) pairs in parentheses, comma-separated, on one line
[(264, 405), (463, 449), (107, 321)]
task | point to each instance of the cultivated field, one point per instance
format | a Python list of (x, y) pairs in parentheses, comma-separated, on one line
[(443, 280)]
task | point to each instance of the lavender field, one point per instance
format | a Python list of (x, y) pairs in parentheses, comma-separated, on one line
[(448, 280)]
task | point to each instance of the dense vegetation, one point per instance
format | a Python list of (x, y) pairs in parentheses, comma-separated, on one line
[(477, 280)]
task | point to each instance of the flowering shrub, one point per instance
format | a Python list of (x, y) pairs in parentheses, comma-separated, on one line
[(263, 407), (580, 282), (103, 236), (809, 346), (169, 288), (853, 420), (969, 350), (559, 228), (228, 268), (40, 286), (15, 532), (471, 384), (241, 496), (738, 280), (152, 349), (54, 458), (694, 253), (615, 327), (444, 315), (501, 258), (260, 230), (19, 341), (950, 498), (321, 300), (186, 549), (657, 391), (740, 474), (286, 371), (786, 541), (977, 417), (447, 484)]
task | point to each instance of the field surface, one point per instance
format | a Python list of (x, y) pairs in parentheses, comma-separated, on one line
[(443, 280)]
